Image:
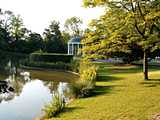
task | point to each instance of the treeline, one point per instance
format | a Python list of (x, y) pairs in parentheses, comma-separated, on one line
[(15, 37)]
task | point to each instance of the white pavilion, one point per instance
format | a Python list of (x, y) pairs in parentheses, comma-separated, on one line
[(74, 46)]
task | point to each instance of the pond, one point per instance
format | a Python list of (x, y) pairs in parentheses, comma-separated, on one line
[(29, 97), (24, 99)]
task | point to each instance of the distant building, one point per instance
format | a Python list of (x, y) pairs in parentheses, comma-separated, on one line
[(74, 46)]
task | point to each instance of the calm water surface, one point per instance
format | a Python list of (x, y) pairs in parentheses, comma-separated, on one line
[(29, 97)]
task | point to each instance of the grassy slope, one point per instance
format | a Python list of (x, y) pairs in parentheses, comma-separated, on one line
[(122, 94)]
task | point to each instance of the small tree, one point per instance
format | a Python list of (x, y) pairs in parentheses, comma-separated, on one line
[(73, 26), (16, 27)]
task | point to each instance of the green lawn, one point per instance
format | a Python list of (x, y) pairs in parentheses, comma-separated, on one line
[(121, 94)]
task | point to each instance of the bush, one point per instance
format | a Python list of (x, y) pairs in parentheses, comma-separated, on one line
[(55, 107), (85, 86), (82, 89), (50, 57), (47, 65), (89, 75), (75, 66)]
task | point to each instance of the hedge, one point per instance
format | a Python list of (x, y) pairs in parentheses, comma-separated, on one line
[(50, 57), (45, 65)]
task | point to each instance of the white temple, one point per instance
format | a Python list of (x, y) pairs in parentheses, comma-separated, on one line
[(74, 46)]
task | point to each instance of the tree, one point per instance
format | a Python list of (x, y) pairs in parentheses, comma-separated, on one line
[(53, 38), (72, 25), (66, 37), (4, 39), (16, 27), (5, 19), (126, 23), (34, 42)]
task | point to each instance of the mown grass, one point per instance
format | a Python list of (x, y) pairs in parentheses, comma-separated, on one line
[(121, 94)]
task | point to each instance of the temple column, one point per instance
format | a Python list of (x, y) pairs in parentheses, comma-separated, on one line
[(68, 49), (72, 49)]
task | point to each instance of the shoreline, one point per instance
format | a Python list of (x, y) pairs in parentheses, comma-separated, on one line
[(48, 69)]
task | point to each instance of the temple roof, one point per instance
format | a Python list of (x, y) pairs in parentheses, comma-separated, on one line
[(75, 39)]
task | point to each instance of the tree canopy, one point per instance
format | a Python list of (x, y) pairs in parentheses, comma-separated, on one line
[(126, 23), (53, 38), (73, 26)]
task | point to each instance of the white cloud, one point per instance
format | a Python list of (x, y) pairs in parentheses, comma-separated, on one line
[(37, 14)]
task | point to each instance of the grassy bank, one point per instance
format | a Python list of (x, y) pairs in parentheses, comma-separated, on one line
[(121, 94)]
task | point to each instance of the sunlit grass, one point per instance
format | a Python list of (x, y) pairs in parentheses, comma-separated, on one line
[(121, 94)]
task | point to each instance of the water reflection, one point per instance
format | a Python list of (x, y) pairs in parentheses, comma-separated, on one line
[(12, 86), (28, 96), (23, 94), (6, 91)]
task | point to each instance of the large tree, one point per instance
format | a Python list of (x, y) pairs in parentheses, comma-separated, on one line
[(53, 38), (126, 23)]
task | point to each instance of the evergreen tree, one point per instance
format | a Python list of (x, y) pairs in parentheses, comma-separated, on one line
[(53, 39)]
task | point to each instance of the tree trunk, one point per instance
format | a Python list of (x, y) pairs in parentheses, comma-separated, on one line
[(145, 65)]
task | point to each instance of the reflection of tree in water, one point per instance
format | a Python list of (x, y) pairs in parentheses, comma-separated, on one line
[(11, 87), (62, 88), (52, 85), (6, 91), (10, 60), (17, 84), (9, 65)]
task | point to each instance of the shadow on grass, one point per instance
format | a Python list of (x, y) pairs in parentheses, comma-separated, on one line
[(151, 83), (107, 78), (101, 90), (67, 110), (71, 109), (125, 69)]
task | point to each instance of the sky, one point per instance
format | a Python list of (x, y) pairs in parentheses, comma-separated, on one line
[(37, 14)]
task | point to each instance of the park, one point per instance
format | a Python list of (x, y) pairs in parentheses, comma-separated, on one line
[(109, 70)]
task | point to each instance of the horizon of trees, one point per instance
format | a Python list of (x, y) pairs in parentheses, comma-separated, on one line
[(128, 29), (15, 37)]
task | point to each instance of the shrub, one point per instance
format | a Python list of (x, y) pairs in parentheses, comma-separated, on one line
[(89, 75), (55, 107), (75, 65), (85, 86), (57, 65), (50, 57), (82, 89)]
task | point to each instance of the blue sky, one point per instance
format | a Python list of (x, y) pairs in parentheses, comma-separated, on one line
[(37, 14)]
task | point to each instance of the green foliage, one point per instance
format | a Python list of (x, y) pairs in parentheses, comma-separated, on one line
[(75, 64), (82, 89), (16, 27), (4, 39), (66, 37), (14, 37), (50, 57), (86, 84), (55, 107), (72, 25), (15, 58), (125, 24), (34, 42), (47, 65), (53, 39), (88, 73)]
